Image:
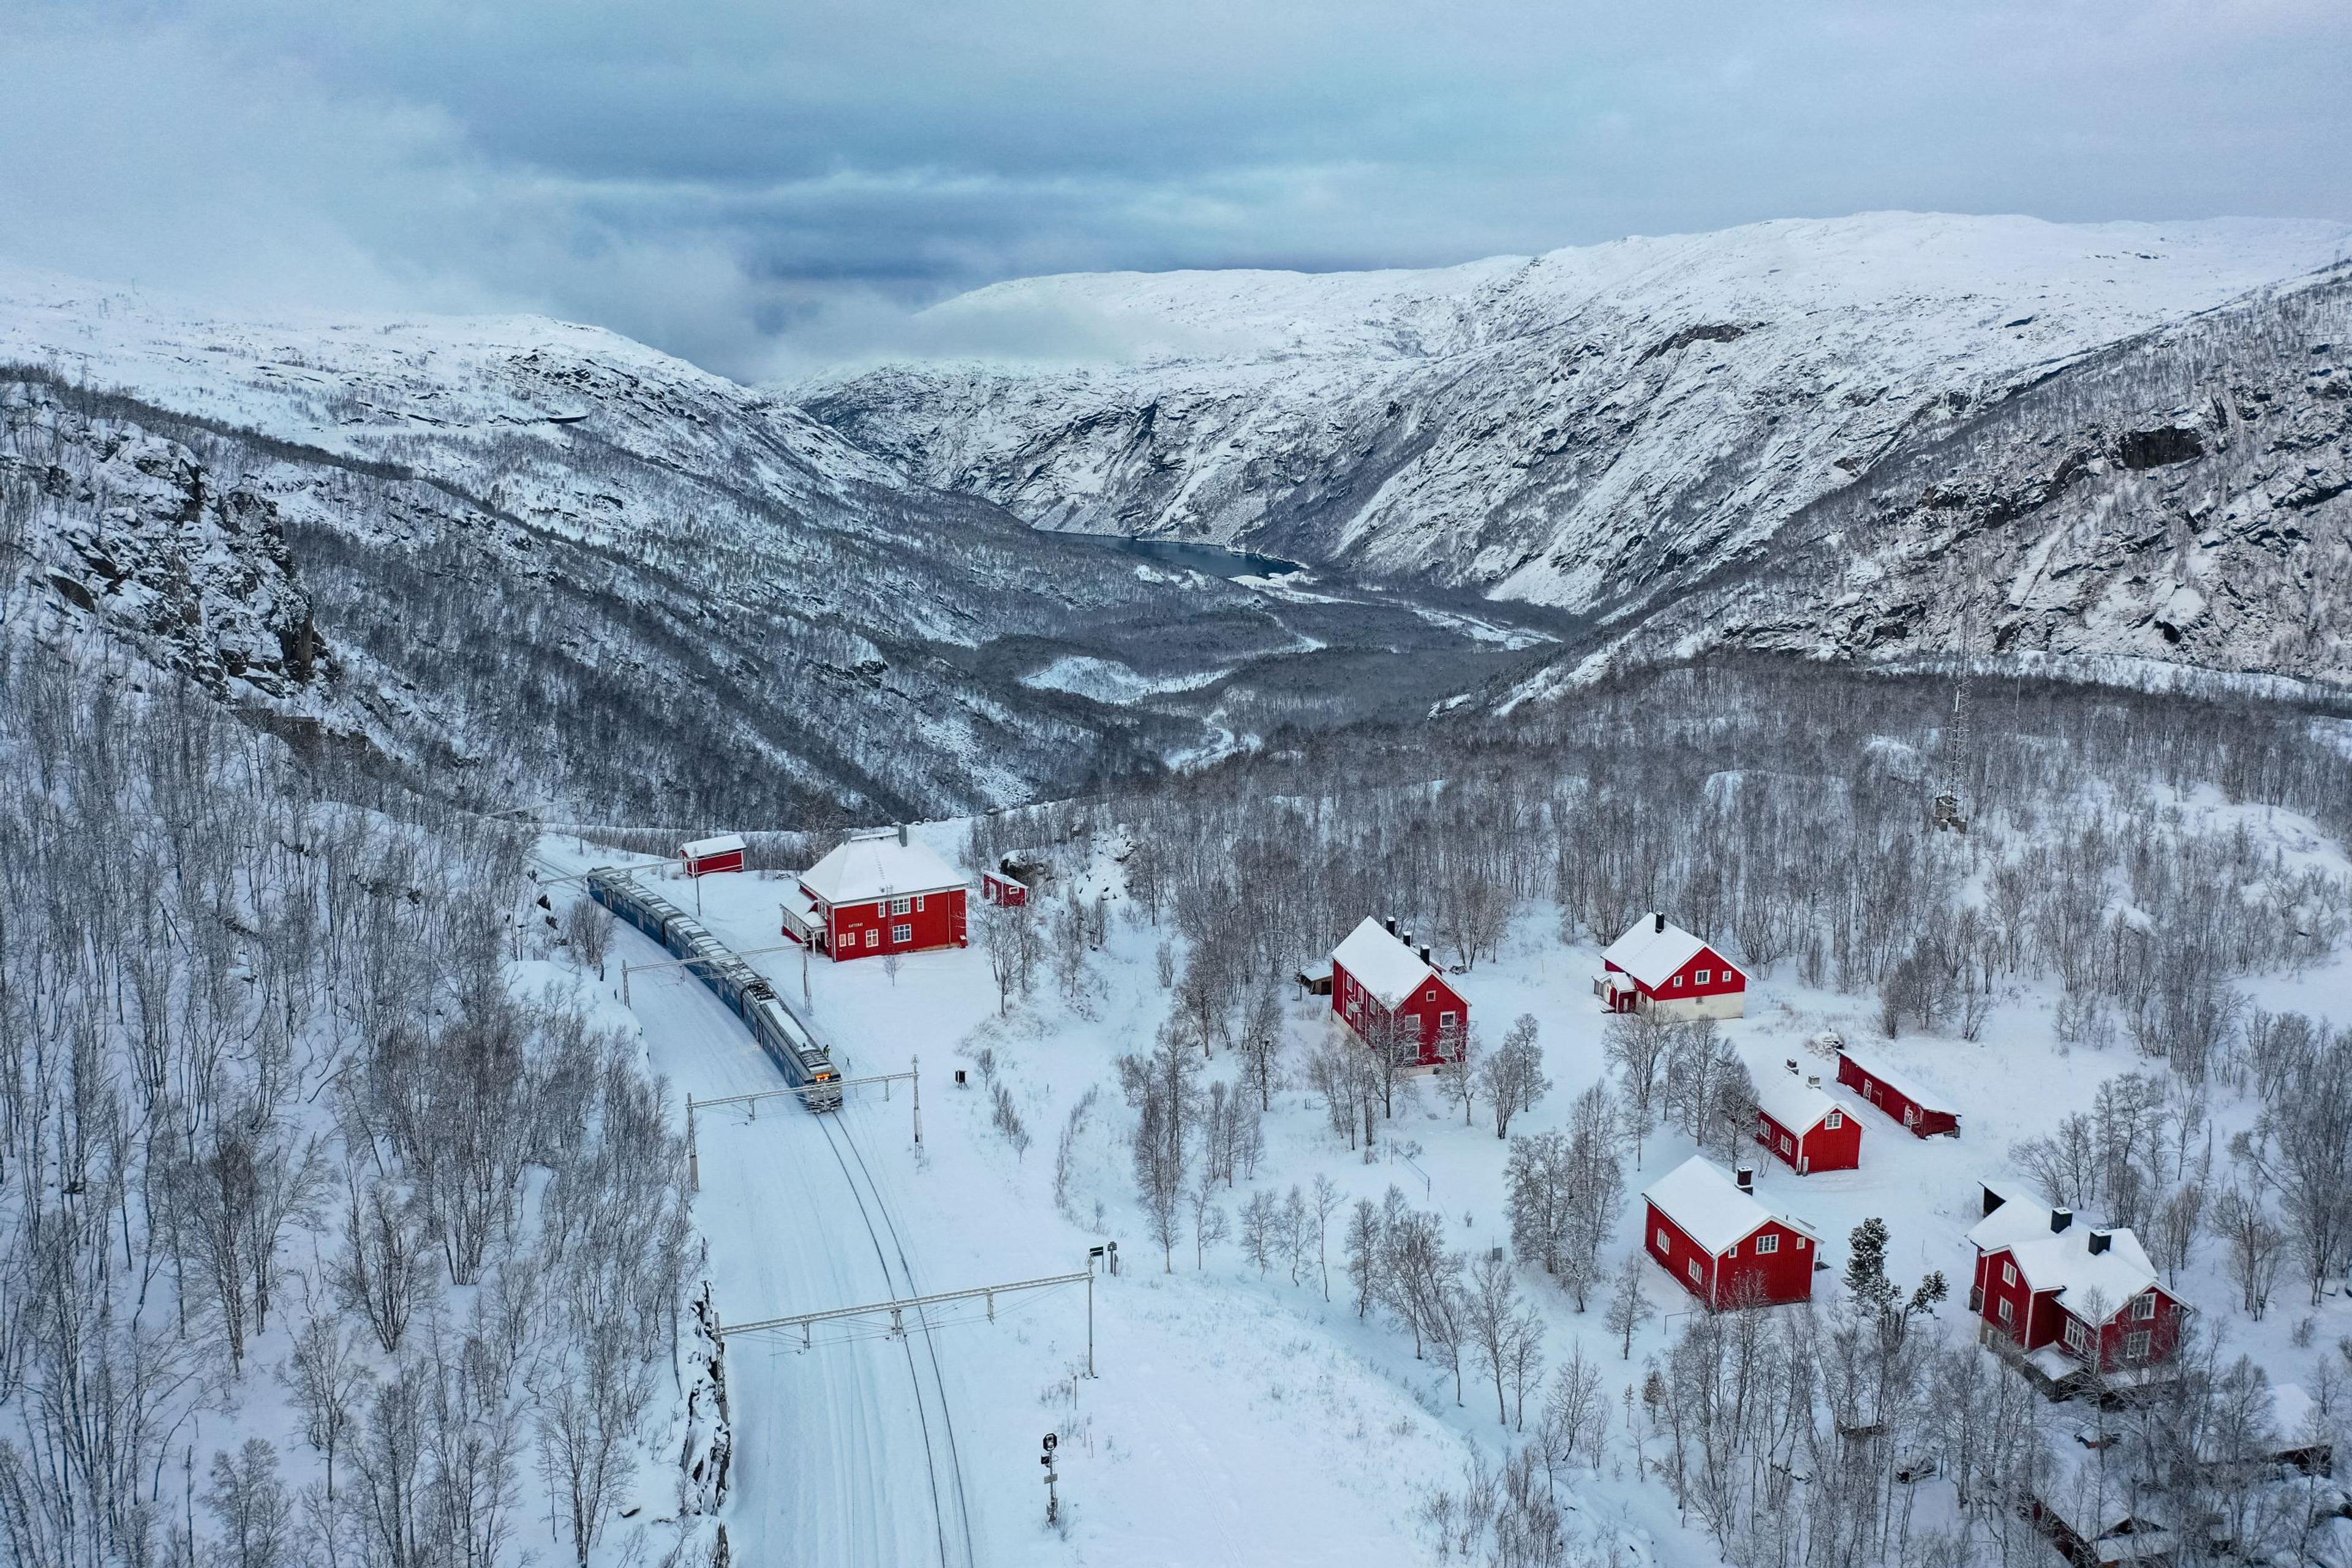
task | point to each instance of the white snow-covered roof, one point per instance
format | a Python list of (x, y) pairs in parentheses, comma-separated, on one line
[(1380, 963), (1650, 955), (702, 849), (2062, 1260), (1909, 1088), (1709, 1207), (1792, 1102), (877, 865)]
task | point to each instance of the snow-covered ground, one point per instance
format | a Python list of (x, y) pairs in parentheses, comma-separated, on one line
[(1235, 1418)]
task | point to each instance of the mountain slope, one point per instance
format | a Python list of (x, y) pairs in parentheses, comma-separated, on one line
[(1599, 428)]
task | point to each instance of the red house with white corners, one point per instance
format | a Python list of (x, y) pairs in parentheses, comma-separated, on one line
[(1658, 967), (1376, 976), (879, 893), (1918, 1109), (1723, 1246), (2067, 1298), (704, 856), (1805, 1129), (1004, 888)]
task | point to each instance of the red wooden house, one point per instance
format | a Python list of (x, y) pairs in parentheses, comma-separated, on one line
[(1915, 1106), (1658, 967), (704, 856), (1003, 888), (1804, 1128), (2060, 1293), (879, 893), (1380, 980), (1723, 1246)]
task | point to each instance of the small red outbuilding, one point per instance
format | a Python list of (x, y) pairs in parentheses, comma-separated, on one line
[(704, 856), (1721, 1245), (1003, 888), (1900, 1097), (1804, 1128)]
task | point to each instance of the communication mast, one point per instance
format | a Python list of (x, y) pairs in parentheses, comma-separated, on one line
[(1958, 740)]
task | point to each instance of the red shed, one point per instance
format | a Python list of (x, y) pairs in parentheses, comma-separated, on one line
[(1377, 976), (1003, 888), (704, 856), (1900, 1097), (1803, 1126), (879, 893), (1721, 1245), (2088, 1292), (1658, 967)]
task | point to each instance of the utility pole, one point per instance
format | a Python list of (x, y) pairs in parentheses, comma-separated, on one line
[(693, 1159), (1092, 1254), (915, 1065), (1053, 1502)]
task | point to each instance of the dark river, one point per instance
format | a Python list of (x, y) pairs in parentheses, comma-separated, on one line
[(1209, 560)]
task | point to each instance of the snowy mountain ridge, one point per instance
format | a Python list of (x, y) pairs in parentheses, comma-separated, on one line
[(1600, 429)]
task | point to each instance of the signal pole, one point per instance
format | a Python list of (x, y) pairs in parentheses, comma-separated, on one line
[(1053, 1502)]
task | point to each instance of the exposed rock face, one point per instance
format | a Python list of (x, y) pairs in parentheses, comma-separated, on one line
[(132, 532)]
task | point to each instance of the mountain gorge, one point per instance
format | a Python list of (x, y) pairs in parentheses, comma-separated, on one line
[(1647, 433)]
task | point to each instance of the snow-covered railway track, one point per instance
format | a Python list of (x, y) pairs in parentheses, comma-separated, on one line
[(951, 1516)]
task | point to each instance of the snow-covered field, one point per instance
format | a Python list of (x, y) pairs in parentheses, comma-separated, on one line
[(1236, 1418)]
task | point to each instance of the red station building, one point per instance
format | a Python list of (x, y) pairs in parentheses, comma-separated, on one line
[(1378, 975), (1658, 967), (879, 893)]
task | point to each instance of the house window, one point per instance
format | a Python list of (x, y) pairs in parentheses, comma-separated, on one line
[(1834, 1119), (1663, 1244), (873, 937), (1430, 995), (1786, 1146), (1693, 1266), (918, 903), (1704, 975), (2008, 1272), (901, 906), (1800, 1244), (1446, 1020), (2008, 1311), (2137, 1344), (1678, 981), (1767, 1242), (2077, 1336), (2145, 1308), (902, 934)]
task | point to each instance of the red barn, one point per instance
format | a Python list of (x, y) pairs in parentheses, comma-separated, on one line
[(1003, 888), (2088, 1293), (1721, 1245), (1378, 981), (704, 856), (1658, 967), (1915, 1108), (879, 893), (1804, 1128)]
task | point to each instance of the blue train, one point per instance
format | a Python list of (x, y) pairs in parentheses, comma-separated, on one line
[(796, 1053)]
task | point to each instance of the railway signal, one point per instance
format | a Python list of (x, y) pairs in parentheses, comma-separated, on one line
[(1052, 1502)]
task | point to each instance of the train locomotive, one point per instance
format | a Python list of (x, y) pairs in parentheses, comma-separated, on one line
[(805, 1063)]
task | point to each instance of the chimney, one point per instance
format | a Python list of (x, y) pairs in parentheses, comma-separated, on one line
[(1406, 936), (1993, 1200), (902, 833), (1424, 954), (1746, 1177), (1392, 925), (1657, 922), (1813, 1081), (1790, 1062), (2060, 1219), (2099, 1240)]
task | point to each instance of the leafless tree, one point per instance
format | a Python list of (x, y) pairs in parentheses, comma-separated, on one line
[(1513, 1076)]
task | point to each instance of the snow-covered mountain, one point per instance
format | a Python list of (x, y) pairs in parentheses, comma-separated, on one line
[(1609, 428), (550, 562)]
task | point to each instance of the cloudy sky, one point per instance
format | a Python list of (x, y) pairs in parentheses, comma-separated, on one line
[(764, 184)]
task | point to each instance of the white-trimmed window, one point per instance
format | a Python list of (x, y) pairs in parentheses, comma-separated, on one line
[(2008, 1311), (902, 934), (2008, 1272), (2136, 1344), (1678, 981), (1800, 1244), (873, 936), (1704, 975), (1767, 1242), (1834, 1119), (901, 906), (1449, 1020), (2144, 1308), (2077, 1336), (918, 903), (1694, 1268), (1787, 1146), (1664, 1244)]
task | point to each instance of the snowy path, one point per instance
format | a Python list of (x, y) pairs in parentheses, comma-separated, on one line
[(830, 1443)]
